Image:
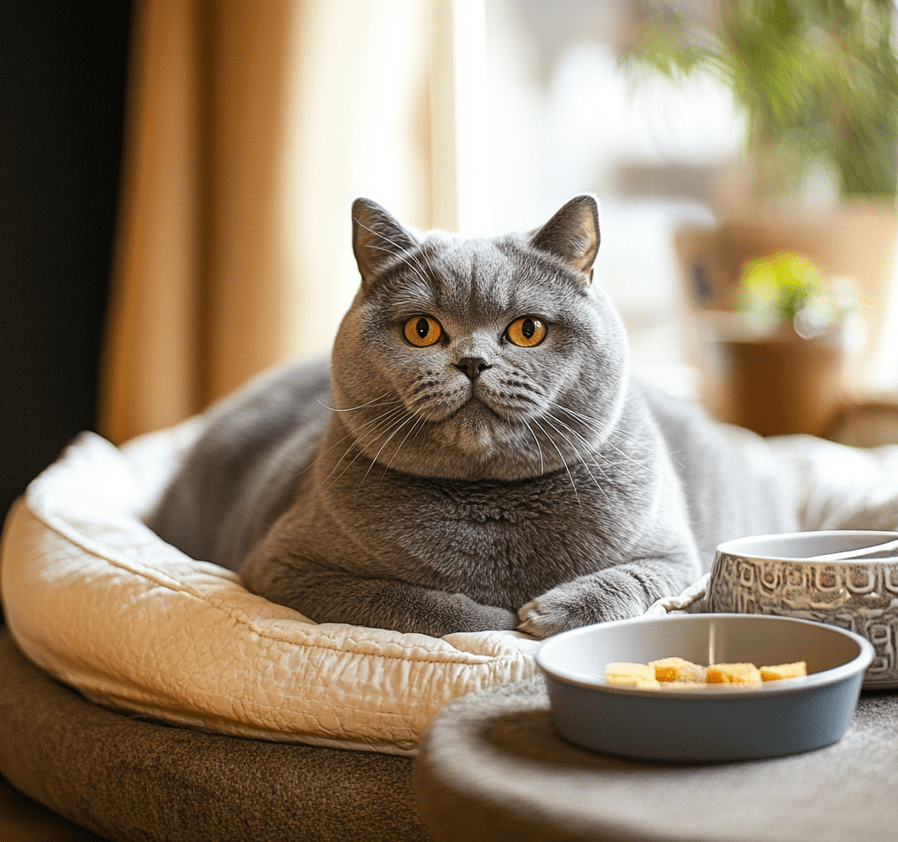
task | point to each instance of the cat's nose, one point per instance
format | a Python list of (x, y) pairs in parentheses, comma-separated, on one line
[(473, 367)]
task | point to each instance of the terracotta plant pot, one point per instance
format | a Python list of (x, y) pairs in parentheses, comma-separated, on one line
[(782, 383)]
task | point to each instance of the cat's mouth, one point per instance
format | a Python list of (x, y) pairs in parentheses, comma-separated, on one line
[(478, 429), (473, 420), (475, 407)]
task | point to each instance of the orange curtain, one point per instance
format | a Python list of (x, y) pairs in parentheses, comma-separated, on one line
[(252, 127)]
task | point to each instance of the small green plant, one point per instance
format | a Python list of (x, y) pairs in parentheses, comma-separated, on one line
[(789, 288), (816, 79)]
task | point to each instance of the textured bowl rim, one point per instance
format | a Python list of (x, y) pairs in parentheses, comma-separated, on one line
[(858, 664), (735, 546)]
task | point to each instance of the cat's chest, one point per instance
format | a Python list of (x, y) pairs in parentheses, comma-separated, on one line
[(490, 505), (500, 542), (486, 519), (498, 525)]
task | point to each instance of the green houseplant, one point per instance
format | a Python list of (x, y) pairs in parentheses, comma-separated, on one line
[(787, 291), (817, 82)]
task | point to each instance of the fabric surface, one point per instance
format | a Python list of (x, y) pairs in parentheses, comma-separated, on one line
[(840, 487), (99, 601), (129, 780), (493, 768)]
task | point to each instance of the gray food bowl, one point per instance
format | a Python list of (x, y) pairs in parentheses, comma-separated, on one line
[(708, 723)]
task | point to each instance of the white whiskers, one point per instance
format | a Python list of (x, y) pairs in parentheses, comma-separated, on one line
[(388, 439), (372, 402), (538, 446), (560, 456), (374, 427), (414, 429), (557, 423)]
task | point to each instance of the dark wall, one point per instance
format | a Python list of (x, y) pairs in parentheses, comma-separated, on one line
[(62, 91)]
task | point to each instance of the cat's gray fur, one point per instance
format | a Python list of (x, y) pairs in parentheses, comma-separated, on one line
[(472, 484)]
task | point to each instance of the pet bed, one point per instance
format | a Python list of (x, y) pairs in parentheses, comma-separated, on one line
[(97, 600)]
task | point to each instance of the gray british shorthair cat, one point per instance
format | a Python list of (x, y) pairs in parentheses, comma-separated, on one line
[(475, 457)]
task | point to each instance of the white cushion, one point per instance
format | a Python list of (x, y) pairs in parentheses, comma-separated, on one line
[(98, 600)]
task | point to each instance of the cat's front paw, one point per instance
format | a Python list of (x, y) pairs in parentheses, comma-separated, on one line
[(497, 619), (542, 617), (452, 613), (578, 603)]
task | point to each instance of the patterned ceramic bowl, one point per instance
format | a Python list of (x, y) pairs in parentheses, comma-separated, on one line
[(847, 579)]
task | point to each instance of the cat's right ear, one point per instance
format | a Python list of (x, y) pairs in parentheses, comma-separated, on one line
[(378, 240)]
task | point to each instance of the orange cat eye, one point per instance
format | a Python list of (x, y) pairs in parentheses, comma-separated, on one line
[(422, 331), (527, 331)]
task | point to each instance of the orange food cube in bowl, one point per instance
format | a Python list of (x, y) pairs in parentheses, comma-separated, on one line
[(775, 673), (733, 674)]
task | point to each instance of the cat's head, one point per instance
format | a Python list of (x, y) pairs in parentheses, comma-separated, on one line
[(479, 358)]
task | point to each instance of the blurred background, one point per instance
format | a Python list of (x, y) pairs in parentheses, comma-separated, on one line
[(177, 178)]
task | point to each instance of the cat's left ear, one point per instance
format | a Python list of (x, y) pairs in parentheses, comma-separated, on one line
[(573, 234), (378, 240)]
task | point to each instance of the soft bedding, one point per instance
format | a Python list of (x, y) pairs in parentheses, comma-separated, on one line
[(100, 602), (95, 598)]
